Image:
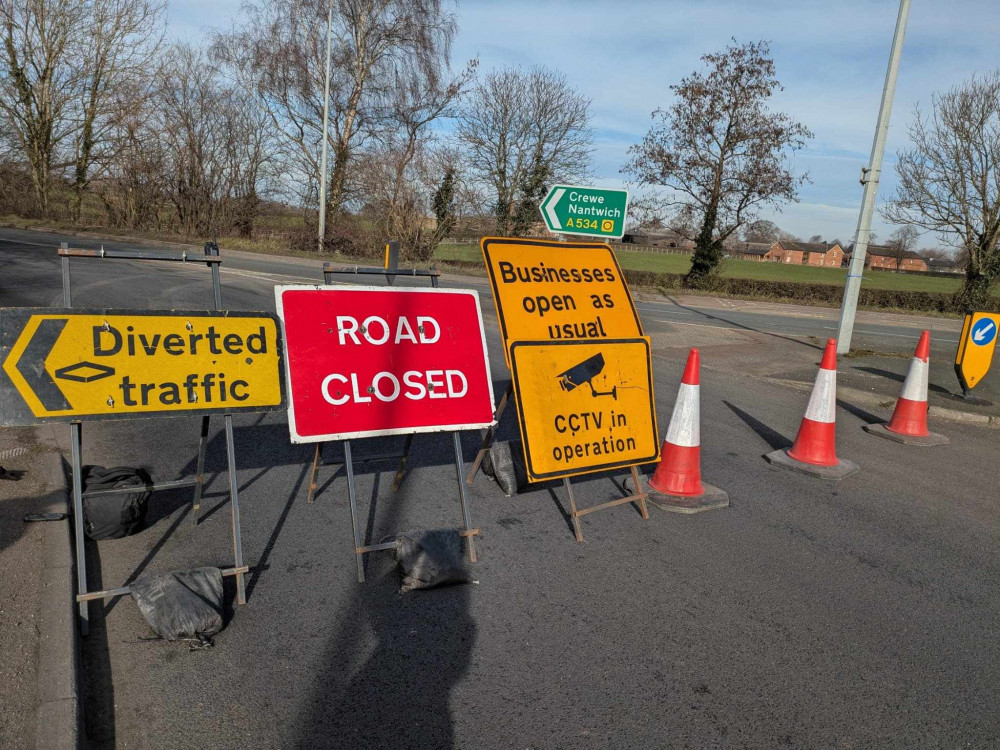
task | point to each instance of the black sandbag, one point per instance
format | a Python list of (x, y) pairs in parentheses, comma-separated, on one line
[(503, 463), (120, 515), (182, 605), (430, 558)]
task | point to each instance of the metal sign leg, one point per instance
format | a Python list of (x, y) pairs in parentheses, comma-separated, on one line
[(199, 486), (640, 494), (76, 439), (241, 592), (574, 513), (317, 460), (459, 473), (358, 554), (490, 432), (402, 463)]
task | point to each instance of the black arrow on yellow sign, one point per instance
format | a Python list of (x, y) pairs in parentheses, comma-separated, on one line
[(31, 365)]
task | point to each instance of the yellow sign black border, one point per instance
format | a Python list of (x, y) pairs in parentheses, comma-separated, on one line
[(14, 410), (485, 243), (536, 477)]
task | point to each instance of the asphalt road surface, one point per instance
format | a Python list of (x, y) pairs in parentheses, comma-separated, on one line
[(812, 615)]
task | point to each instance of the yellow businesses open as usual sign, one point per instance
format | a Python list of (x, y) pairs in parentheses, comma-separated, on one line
[(558, 290), (584, 406), (112, 364)]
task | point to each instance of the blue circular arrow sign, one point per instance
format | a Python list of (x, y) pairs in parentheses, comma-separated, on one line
[(983, 332)]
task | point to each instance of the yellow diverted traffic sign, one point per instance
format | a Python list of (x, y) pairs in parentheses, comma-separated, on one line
[(975, 348), (558, 291), (584, 406), (69, 364)]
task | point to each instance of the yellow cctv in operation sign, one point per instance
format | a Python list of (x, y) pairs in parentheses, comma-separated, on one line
[(976, 347), (559, 290), (584, 406), (67, 364)]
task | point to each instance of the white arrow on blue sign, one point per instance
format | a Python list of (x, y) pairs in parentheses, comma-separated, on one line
[(984, 332)]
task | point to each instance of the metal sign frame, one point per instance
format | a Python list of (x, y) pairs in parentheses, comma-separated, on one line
[(509, 391), (212, 260), (360, 550)]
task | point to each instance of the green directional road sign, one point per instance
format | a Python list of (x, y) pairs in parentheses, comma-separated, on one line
[(571, 209)]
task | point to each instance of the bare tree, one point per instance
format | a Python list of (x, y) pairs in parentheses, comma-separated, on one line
[(901, 243), (719, 151), (38, 82), (133, 184), (761, 230), (936, 253), (949, 180), (816, 238), (278, 56), (521, 130), (121, 38)]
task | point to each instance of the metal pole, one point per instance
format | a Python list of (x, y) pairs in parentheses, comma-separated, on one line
[(849, 304), (76, 440), (66, 281), (460, 476), (349, 465), (234, 504), (326, 120)]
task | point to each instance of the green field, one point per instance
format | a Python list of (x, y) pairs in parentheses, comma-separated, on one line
[(746, 269)]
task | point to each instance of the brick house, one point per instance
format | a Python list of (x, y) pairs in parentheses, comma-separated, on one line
[(784, 252), (811, 253), (883, 258)]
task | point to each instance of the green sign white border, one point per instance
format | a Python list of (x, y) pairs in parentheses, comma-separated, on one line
[(550, 218)]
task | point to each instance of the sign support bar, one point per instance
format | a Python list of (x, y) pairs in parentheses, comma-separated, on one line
[(83, 596), (639, 498)]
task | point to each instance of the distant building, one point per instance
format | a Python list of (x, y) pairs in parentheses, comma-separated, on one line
[(883, 257), (944, 265), (664, 239), (750, 251), (809, 253), (784, 252)]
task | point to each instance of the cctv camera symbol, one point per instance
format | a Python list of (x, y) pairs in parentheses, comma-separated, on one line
[(584, 373)]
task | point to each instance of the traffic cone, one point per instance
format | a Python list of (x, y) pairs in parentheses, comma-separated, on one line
[(814, 451), (676, 484), (909, 419)]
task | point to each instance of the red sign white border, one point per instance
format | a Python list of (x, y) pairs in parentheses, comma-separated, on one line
[(303, 439)]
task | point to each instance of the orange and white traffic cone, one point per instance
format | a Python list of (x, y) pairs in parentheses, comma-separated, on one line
[(909, 419), (676, 484), (814, 451)]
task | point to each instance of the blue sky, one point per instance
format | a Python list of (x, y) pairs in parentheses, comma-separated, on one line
[(830, 55)]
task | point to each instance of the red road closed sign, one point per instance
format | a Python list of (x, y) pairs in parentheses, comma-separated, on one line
[(367, 361)]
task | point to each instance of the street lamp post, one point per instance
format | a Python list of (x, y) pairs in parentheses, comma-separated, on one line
[(870, 178), (326, 120)]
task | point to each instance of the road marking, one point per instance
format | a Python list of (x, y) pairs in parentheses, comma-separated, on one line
[(707, 325), (934, 339), (260, 276), (22, 242)]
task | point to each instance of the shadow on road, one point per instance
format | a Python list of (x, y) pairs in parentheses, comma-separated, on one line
[(900, 378), (863, 415), (387, 676), (773, 438), (720, 318)]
